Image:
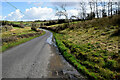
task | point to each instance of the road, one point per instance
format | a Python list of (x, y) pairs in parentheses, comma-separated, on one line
[(28, 60), (34, 59)]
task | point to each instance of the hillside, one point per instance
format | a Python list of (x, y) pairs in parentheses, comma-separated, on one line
[(91, 46)]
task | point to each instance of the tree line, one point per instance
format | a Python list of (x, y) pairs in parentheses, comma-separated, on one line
[(108, 8)]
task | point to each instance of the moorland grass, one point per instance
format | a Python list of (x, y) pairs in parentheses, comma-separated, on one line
[(92, 47), (92, 65)]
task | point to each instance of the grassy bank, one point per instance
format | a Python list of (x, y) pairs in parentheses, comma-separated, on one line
[(18, 36), (95, 65), (92, 48), (17, 31)]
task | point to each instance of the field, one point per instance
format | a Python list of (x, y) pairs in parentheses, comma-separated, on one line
[(17, 36), (92, 48)]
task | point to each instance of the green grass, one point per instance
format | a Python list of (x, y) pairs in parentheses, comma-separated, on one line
[(14, 22), (15, 32), (92, 48), (20, 41), (79, 56), (70, 58)]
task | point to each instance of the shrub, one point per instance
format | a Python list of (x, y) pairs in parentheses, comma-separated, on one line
[(21, 25), (35, 27), (6, 28)]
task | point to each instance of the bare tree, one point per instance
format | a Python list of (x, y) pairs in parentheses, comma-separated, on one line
[(103, 11), (97, 9), (104, 5), (93, 3), (92, 8), (108, 8), (100, 10), (118, 7), (90, 3), (83, 9), (111, 7), (62, 12)]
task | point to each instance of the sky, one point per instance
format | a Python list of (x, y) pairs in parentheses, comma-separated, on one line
[(28, 10), (16, 11)]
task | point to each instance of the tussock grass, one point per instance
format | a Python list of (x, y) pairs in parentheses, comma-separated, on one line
[(92, 47), (93, 65)]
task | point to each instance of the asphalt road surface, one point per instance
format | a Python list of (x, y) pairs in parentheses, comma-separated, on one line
[(28, 60), (35, 59)]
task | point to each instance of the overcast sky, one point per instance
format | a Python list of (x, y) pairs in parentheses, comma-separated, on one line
[(38, 10)]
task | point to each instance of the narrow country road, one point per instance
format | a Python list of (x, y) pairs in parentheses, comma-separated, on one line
[(33, 59), (28, 60)]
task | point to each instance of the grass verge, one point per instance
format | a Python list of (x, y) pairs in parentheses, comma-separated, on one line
[(28, 35), (96, 68)]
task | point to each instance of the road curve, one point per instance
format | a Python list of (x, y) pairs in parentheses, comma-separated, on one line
[(38, 58), (28, 60)]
